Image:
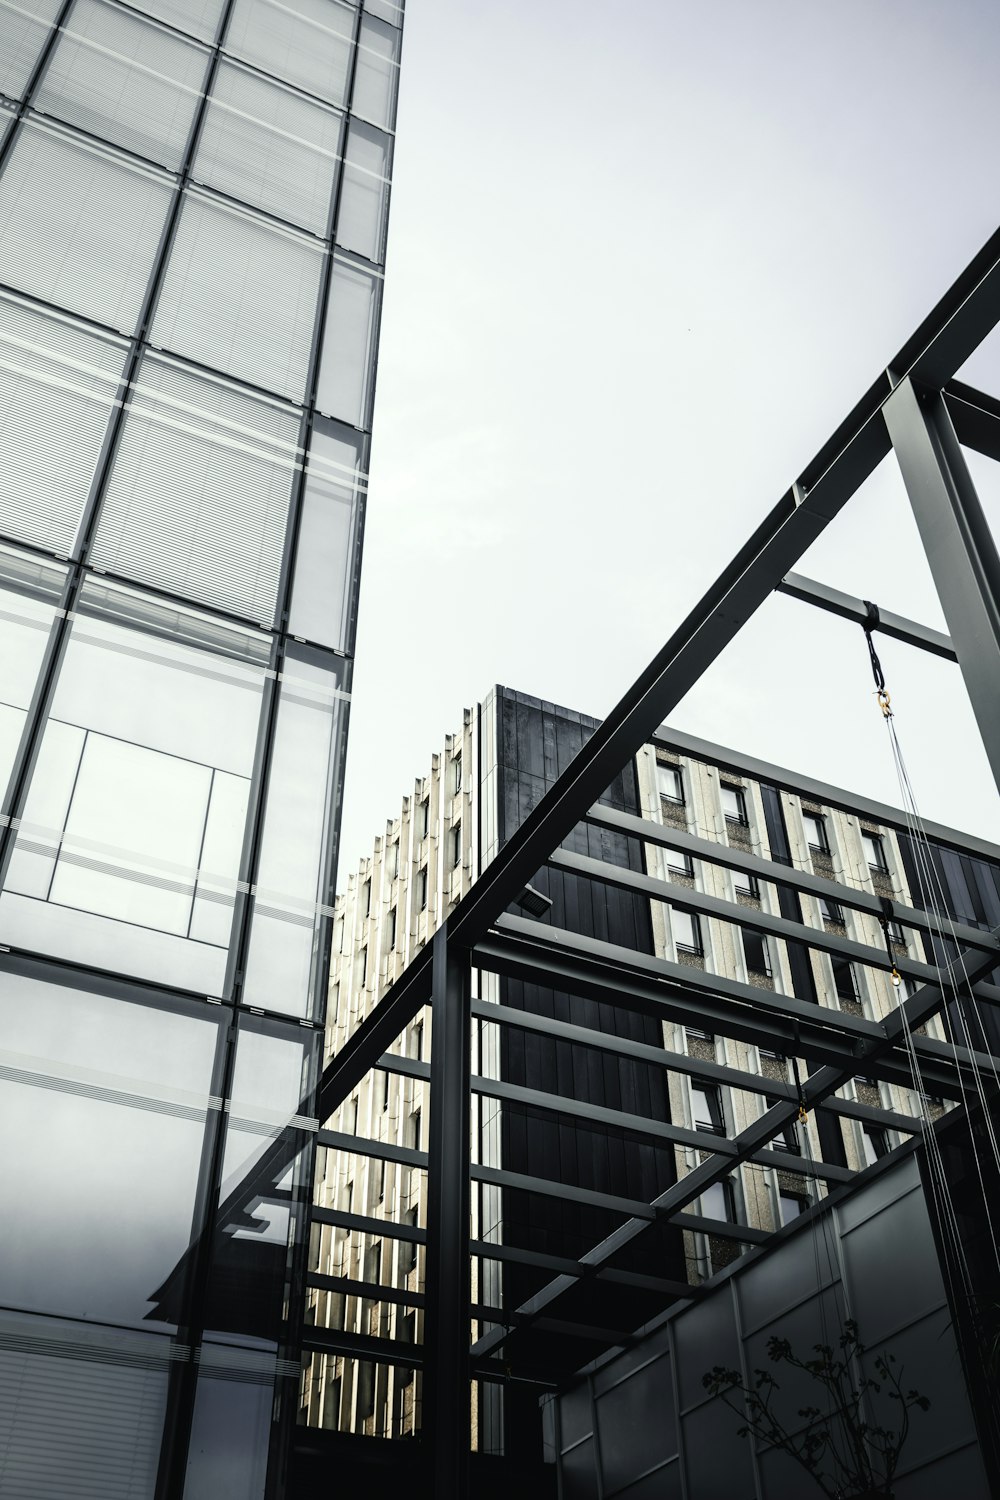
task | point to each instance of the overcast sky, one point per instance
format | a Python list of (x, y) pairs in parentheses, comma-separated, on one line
[(642, 260)]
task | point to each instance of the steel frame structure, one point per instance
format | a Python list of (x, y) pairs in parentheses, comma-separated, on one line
[(915, 409)]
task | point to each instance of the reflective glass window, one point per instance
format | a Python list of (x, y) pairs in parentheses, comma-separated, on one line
[(79, 226), (217, 533), (327, 554), (24, 30), (126, 80), (30, 593), (375, 80), (58, 386), (365, 194), (240, 296), (198, 18), (129, 848), (231, 1428), (291, 895), (386, 10), (348, 355), (306, 42), (107, 1102), (271, 1099), (270, 147)]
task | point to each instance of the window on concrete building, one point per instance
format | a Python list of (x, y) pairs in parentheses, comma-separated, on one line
[(686, 930), (734, 803), (408, 1258), (366, 1389), (421, 890), (456, 846), (456, 776), (670, 782), (831, 911), (390, 928), (816, 834), (876, 1143), (677, 863), (424, 819), (413, 1131), (791, 1205), (745, 884), (717, 1202), (756, 952), (706, 1107), (787, 1138), (874, 852), (844, 980), (366, 897)]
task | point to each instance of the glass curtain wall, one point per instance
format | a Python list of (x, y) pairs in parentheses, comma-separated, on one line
[(193, 204)]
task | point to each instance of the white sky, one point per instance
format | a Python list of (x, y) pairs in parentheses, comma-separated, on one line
[(642, 260)]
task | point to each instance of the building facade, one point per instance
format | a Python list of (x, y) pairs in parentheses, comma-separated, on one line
[(193, 202), (487, 777)]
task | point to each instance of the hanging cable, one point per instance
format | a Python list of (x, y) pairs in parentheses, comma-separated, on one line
[(940, 1187)]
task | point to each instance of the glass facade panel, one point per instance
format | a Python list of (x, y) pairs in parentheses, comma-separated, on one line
[(348, 355), (81, 1409), (326, 561), (386, 11), (30, 593), (270, 148), (374, 94), (307, 43), (58, 386), (290, 902), (24, 28), (231, 458), (364, 197), (107, 1101), (109, 854), (240, 296), (198, 18), (232, 1418), (79, 227), (125, 80)]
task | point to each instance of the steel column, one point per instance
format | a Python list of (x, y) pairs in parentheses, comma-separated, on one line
[(958, 542), (446, 1391)]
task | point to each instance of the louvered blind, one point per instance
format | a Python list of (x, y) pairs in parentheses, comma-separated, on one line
[(197, 18), (79, 227), (125, 80), (270, 148), (198, 497), (58, 385), (86, 1424), (240, 296), (306, 42), (24, 26), (345, 367)]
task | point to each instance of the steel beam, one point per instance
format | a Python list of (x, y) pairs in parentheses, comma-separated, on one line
[(958, 543), (804, 881), (976, 418), (847, 607), (446, 1394)]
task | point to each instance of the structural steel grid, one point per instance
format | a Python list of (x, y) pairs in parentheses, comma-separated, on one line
[(916, 409)]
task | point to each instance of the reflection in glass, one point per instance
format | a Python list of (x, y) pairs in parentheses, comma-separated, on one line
[(302, 796), (231, 457), (365, 194), (348, 354), (79, 226), (124, 80), (106, 1101), (142, 777), (326, 557), (374, 94), (270, 148), (227, 1458), (58, 384), (239, 295), (30, 592)]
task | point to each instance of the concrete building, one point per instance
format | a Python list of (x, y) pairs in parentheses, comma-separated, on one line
[(193, 202), (488, 774)]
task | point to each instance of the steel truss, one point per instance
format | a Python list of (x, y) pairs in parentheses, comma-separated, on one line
[(917, 410)]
